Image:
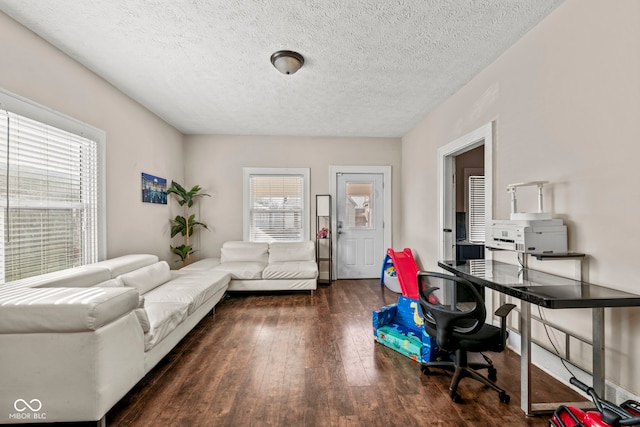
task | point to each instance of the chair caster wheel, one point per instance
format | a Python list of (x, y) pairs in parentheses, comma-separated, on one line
[(425, 370), (455, 397), (493, 374), (504, 397)]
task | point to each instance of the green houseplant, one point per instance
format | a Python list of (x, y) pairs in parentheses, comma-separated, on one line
[(185, 225)]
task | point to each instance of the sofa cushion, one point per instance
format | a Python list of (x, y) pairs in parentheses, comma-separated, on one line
[(291, 270), (77, 277), (203, 264), (163, 319), (243, 244), (242, 270), (292, 251), (126, 263), (191, 289), (111, 283), (146, 278), (244, 251), (34, 310), (143, 319)]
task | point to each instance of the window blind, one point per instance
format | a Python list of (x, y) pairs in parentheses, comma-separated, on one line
[(477, 222), (48, 195), (276, 208)]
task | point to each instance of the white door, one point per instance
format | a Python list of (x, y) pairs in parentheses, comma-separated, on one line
[(359, 225)]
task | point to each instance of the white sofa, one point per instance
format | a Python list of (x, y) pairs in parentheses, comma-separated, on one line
[(255, 266), (73, 343)]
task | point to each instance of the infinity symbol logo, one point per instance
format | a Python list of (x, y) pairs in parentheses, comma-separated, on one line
[(22, 405)]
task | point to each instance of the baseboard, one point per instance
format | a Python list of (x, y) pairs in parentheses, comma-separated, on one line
[(552, 365)]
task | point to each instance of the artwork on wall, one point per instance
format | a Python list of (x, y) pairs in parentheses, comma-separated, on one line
[(154, 189)]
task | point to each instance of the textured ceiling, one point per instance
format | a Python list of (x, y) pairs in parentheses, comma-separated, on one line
[(372, 67)]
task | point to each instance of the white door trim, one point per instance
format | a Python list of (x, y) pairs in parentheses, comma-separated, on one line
[(333, 188), (446, 154)]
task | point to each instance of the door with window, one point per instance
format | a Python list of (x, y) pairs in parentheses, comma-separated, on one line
[(360, 225)]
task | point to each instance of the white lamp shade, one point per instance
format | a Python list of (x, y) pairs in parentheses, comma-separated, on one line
[(323, 205)]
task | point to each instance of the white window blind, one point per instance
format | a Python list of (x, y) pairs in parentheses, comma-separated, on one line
[(48, 196), (276, 205), (477, 220)]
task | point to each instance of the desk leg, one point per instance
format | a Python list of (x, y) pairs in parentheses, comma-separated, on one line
[(525, 357), (530, 408), (598, 350)]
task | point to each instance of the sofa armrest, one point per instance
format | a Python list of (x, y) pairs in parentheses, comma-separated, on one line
[(38, 310), (75, 376)]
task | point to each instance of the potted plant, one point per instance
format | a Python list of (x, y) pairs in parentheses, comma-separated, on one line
[(185, 225)]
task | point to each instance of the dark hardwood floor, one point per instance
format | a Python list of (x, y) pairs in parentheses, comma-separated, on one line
[(301, 360)]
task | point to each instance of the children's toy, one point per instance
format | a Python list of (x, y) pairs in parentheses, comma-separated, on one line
[(389, 276), (401, 327), (607, 414), (406, 270)]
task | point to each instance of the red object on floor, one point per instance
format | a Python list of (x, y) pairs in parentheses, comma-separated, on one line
[(406, 270)]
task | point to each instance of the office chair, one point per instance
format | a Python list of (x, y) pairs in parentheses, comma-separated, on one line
[(456, 319)]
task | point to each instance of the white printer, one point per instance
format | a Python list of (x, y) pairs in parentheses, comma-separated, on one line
[(533, 232)]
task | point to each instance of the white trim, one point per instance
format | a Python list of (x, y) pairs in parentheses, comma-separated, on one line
[(25, 107), (306, 174), (387, 220), (446, 153)]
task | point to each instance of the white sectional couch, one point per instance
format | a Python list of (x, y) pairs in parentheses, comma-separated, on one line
[(73, 343), (254, 266)]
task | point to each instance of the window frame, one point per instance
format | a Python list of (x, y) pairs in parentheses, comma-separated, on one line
[(248, 172), (27, 108)]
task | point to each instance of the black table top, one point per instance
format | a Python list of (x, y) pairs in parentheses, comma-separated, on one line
[(543, 289)]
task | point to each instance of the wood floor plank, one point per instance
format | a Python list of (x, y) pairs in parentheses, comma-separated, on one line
[(292, 359)]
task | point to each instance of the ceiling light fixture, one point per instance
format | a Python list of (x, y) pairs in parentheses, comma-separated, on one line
[(287, 61)]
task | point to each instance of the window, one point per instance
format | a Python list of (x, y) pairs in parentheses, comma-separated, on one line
[(359, 204), (49, 192), (276, 205), (476, 209)]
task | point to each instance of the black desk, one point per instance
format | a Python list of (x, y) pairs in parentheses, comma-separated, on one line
[(549, 291)]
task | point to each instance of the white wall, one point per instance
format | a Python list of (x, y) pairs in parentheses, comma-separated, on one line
[(565, 100), (566, 104), (137, 140), (216, 162)]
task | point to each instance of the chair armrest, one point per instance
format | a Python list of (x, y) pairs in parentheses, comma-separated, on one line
[(502, 312)]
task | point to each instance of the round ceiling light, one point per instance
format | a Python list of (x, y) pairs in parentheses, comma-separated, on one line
[(287, 61)]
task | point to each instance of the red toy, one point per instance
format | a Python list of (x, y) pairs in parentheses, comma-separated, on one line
[(407, 271), (607, 414)]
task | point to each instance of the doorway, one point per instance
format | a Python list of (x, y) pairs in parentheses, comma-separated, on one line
[(447, 178), (362, 211)]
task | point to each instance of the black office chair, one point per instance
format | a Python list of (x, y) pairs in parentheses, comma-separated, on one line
[(456, 319)]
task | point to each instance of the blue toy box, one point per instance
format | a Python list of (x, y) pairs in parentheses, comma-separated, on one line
[(400, 327)]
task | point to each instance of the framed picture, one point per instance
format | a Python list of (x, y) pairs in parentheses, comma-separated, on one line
[(154, 189)]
